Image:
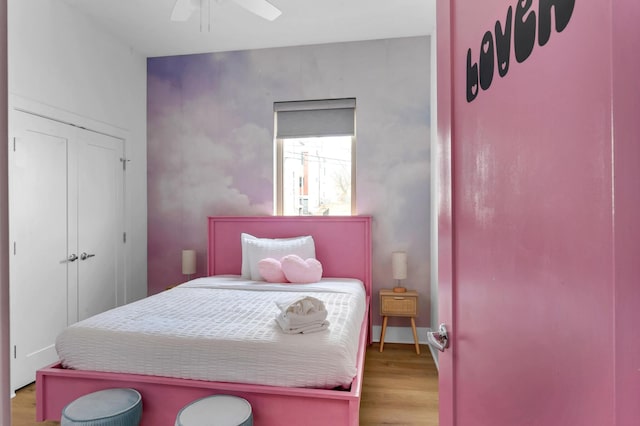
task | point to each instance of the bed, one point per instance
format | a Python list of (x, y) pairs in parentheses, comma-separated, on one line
[(342, 244)]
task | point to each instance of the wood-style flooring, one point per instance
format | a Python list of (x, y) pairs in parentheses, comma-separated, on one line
[(400, 388)]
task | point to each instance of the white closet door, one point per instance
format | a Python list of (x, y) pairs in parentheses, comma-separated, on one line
[(66, 219), (38, 268), (100, 223)]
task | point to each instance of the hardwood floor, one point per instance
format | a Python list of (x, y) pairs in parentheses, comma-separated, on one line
[(400, 388)]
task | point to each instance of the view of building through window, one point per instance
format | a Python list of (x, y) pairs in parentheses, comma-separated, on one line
[(316, 176)]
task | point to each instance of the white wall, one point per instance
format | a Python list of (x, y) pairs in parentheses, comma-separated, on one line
[(5, 376), (61, 64)]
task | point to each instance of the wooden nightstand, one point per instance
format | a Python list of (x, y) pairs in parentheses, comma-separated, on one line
[(399, 305)]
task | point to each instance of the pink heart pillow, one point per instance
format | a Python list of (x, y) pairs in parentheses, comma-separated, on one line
[(271, 270), (300, 271)]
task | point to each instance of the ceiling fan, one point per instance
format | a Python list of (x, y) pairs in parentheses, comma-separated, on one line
[(183, 9)]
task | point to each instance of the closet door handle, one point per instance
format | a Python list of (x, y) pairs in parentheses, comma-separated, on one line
[(85, 256), (71, 258)]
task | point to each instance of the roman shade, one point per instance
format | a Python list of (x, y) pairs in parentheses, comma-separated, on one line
[(318, 118)]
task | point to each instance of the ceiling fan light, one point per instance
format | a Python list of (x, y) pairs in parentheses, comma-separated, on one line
[(183, 9), (262, 8)]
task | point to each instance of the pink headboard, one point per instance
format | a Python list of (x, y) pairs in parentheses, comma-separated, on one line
[(343, 243)]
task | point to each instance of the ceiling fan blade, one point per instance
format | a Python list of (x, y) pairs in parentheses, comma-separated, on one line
[(261, 8), (183, 9)]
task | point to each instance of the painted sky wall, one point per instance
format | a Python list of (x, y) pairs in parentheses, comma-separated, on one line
[(210, 145), (544, 155)]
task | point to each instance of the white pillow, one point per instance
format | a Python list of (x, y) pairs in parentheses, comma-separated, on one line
[(245, 271), (255, 249)]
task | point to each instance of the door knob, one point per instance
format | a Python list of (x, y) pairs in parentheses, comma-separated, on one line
[(85, 256), (439, 339), (72, 258)]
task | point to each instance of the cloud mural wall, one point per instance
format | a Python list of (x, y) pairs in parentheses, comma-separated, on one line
[(210, 145)]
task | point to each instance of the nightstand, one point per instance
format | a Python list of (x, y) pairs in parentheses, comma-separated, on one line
[(399, 305)]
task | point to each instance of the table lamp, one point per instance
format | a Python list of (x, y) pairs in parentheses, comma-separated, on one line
[(399, 268), (188, 263)]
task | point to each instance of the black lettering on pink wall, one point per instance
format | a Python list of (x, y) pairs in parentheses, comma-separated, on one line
[(563, 10), (472, 78), (495, 48), (524, 30), (503, 43), (486, 61)]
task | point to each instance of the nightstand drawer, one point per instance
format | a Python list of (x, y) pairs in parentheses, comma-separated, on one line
[(398, 305)]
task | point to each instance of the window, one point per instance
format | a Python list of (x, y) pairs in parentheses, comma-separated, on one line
[(315, 157)]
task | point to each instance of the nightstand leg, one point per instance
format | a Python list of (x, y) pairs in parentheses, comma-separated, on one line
[(384, 330), (415, 335)]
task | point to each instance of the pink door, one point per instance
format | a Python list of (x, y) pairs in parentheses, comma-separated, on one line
[(538, 156)]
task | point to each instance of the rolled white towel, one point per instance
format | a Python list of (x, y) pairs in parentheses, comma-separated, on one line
[(302, 312), (291, 321), (297, 320), (311, 327), (302, 306)]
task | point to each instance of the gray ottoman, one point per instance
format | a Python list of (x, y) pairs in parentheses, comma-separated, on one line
[(216, 410), (109, 407)]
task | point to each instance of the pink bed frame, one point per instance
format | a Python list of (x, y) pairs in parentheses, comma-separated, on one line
[(343, 246)]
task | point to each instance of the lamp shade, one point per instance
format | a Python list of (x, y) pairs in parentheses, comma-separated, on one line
[(188, 262), (399, 265)]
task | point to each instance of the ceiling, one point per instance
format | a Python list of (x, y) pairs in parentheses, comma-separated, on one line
[(145, 25)]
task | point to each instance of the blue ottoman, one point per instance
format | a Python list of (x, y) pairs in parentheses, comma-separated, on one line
[(216, 410), (109, 407)]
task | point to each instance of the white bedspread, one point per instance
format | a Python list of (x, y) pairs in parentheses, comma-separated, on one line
[(223, 329)]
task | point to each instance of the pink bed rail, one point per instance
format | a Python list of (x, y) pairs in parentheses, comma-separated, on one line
[(163, 397)]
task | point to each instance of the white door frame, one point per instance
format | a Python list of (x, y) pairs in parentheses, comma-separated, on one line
[(17, 103)]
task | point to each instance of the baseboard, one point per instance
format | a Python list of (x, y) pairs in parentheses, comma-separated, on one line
[(400, 334), (404, 335), (434, 355)]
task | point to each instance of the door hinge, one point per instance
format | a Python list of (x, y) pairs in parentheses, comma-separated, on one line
[(124, 163), (124, 237)]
